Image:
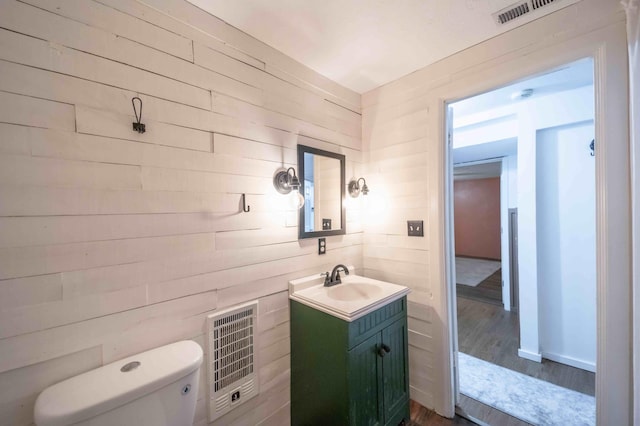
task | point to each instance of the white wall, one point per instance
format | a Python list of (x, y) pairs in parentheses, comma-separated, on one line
[(566, 244), (527, 254), (550, 111), (404, 134), (508, 200), (114, 242)]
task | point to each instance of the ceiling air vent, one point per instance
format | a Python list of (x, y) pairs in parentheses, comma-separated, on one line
[(512, 12), (539, 3), (516, 10)]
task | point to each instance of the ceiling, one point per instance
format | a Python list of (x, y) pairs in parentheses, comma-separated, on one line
[(499, 107), (567, 77), (363, 44), (485, 170)]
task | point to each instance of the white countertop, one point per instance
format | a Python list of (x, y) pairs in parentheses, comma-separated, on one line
[(355, 297)]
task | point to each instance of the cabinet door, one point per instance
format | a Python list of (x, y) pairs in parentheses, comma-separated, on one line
[(395, 370), (365, 392)]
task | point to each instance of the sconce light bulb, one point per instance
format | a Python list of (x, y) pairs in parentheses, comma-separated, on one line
[(300, 199)]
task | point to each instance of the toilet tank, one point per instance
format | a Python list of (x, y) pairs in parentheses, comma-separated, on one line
[(157, 387)]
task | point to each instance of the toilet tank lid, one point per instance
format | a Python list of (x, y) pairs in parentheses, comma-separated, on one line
[(108, 387)]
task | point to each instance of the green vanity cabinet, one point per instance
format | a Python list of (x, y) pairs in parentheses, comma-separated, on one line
[(349, 373)]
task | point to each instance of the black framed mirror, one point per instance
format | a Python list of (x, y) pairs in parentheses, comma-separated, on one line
[(323, 187)]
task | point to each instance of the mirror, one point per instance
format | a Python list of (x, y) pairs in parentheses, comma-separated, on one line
[(322, 184)]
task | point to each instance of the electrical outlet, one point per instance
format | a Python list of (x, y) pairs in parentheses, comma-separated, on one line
[(322, 245), (415, 228)]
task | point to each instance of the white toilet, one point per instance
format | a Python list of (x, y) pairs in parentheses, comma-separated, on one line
[(157, 387)]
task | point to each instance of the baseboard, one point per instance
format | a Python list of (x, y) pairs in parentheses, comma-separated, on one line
[(562, 359), (529, 355), (421, 397)]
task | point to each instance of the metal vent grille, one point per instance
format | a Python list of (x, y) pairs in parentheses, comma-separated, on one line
[(518, 9), (233, 348), (232, 358), (512, 13), (539, 3)]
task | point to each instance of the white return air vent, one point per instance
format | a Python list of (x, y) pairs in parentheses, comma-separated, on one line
[(232, 361), (519, 9)]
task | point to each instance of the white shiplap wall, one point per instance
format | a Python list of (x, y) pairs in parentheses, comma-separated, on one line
[(404, 149), (114, 242)]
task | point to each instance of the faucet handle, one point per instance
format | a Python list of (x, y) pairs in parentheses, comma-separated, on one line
[(326, 276)]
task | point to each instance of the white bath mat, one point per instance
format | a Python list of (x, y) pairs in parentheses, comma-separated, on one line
[(472, 272), (527, 398)]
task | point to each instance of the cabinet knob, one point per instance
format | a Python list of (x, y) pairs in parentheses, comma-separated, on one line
[(383, 350)]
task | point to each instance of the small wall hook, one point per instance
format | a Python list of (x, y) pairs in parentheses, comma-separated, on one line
[(245, 208), (138, 126), (592, 146)]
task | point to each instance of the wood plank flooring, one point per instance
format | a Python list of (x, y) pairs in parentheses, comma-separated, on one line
[(421, 416), (488, 291), (490, 333)]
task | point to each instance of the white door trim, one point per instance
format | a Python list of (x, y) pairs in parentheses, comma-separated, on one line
[(608, 48)]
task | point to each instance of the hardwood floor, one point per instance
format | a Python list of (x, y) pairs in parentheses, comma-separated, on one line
[(421, 416), (489, 290), (490, 333)]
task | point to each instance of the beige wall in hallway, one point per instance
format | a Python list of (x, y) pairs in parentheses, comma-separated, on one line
[(477, 217)]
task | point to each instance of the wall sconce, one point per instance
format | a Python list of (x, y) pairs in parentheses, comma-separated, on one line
[(355, 189), (285, 182)]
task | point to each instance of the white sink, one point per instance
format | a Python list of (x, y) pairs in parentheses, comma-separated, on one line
[(353, 291), (354, 297)]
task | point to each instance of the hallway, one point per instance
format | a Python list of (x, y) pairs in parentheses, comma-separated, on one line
[(488, 291), (488, 332)]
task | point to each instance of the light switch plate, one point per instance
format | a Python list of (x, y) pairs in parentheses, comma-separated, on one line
[(415, 228)]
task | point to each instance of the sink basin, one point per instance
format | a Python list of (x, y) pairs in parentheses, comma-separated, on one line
[(354, 297), (354, 291)]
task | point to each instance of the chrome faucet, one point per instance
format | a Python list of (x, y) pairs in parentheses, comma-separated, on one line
[(334, 277)]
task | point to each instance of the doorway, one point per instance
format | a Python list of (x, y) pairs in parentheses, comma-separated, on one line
[(505, 340), (477, 193), (514, 299)]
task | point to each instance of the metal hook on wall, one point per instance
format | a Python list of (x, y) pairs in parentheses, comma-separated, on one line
[(592, 147), (138, 126), (245, 208)]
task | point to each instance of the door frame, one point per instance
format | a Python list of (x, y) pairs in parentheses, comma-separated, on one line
[(607, 47), (504, 214), (514, 299)]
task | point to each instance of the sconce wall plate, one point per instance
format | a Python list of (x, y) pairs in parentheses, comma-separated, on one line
[(285, 182), (281, 182)]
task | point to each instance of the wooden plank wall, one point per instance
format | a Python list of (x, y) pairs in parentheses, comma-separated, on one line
[(403, 142), (114, 242)]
